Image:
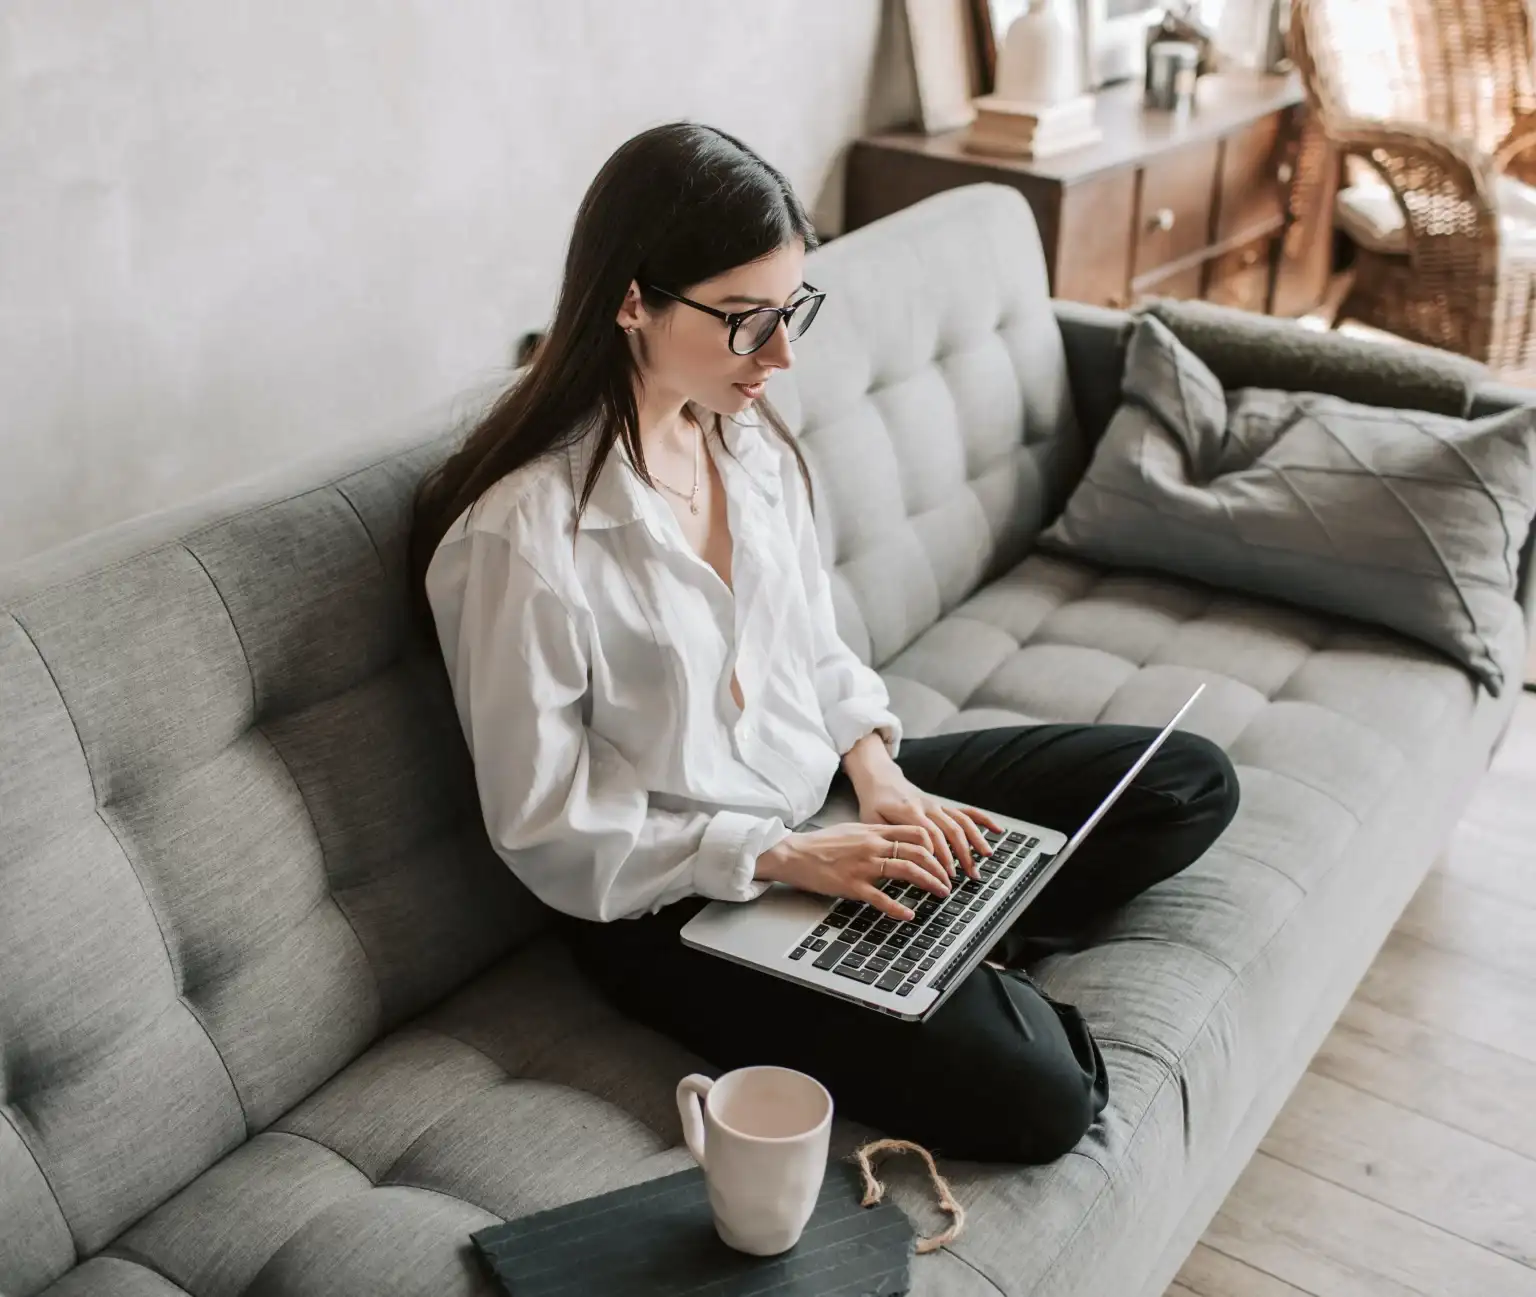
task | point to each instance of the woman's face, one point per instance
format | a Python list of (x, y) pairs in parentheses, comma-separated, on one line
[(685, 352)]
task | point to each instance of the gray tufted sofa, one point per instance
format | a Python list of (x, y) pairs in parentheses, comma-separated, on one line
[(274, 1018)]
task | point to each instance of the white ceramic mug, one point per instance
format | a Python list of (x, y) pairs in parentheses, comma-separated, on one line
[(760, 1134)]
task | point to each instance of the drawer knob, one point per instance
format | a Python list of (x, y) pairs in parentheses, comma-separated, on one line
[(1162, 219)]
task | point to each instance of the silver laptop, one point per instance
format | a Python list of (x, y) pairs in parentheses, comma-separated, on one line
[(908, 969)]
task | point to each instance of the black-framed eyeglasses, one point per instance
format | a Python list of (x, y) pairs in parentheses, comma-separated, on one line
[(752, 329)]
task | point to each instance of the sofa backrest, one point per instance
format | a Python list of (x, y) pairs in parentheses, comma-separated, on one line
[(932, 404), (239, 837), (238, 840)]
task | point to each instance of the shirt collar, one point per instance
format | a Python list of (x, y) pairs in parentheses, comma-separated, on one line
[(747, 440), (618, 494), (615, 498)]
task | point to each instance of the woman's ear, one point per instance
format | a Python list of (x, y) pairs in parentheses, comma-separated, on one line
[(632, 313)]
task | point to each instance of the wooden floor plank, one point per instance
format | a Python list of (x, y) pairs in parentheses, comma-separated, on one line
[(1209, 1273), (1332, 1242), (1485, 1092), (1495, 842), (1517, 753), (1494, 930), (1405, 1163), (1439, 1175), (1452, 993), (1493, 854)]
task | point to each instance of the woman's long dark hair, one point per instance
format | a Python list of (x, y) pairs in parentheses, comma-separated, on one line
[(672, 207)]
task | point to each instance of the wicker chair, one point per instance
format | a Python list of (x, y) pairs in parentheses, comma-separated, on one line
[(1436, 101)]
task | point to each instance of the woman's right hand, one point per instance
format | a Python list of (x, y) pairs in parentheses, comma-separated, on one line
[(851, 858)]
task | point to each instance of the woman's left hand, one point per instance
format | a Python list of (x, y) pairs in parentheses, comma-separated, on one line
[(953, 833)]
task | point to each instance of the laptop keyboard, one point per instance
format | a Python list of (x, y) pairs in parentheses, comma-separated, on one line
[(857, 941)]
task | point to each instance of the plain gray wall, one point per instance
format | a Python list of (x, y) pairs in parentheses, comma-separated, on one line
[(235, 232)]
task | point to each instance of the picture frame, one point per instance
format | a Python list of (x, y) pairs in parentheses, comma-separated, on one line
[(948, 60)]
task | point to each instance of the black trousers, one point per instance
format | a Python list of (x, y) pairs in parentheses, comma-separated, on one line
[(1001, 1072)]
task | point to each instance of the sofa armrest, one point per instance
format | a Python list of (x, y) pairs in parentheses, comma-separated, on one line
[(1247, 350), (1492, 398), (1094, 338)]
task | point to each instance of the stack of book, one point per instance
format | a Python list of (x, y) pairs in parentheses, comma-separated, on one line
[(1017, 129)]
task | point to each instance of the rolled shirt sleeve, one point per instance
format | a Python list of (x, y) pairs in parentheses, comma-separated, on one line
[(562, 806)]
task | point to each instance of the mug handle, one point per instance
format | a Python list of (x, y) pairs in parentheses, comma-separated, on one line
[(690, 1091)]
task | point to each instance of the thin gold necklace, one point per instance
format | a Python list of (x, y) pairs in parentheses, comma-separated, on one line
[(693, 496)]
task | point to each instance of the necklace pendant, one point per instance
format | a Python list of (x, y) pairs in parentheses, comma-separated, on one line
[(693, 505)]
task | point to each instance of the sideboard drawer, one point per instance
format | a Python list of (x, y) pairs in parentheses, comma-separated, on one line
[(1253, 177), (1241, 277), (1173, 217), (1186, 283), (1094, 259)]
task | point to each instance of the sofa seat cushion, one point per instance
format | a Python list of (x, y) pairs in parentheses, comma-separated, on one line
[(1324, 721), (521, 1092), (1350, 744)]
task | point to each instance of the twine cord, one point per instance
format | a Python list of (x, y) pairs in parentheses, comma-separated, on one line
[(874, 1190)]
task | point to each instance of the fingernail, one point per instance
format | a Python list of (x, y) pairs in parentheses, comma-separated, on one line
[(909, 914)]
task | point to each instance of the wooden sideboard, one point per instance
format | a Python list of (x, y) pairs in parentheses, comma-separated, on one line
[(1158, 208)]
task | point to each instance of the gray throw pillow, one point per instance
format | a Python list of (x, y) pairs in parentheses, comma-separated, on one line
[(1408, 520)]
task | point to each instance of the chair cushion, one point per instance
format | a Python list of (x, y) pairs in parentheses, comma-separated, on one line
[(1368, 212)]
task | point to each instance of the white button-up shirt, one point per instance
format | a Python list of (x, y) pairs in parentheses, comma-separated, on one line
[(591, 670)]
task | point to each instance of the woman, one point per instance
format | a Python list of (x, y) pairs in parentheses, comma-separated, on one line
[(622, 572)]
